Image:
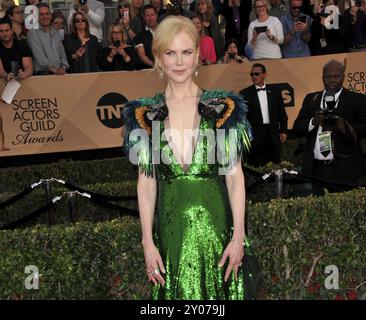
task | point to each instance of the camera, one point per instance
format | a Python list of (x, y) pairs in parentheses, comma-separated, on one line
[(83, 2), (116, 43), (328, 111), (260, 29), (302, 19), (15, 67), (231, 55)]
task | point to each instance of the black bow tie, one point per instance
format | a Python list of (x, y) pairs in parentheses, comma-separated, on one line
[(264, 89)]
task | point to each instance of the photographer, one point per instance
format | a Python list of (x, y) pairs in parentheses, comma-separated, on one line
[(94, 12), (118, 55), (296, 27), (232, 53), (334, 122)]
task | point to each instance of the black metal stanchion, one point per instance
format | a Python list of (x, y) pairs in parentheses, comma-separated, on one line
[(47, 187), (71, 204), (279, 183)]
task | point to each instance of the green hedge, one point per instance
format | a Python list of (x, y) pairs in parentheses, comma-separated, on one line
[(332, 227), (76, 172), (83, 209), (87, 172), (102, 171), (86, 261)]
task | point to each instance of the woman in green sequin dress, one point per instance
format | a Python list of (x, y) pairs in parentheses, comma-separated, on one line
[(196, 248)]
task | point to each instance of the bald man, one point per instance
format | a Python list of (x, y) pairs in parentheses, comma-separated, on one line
[(333, 121)]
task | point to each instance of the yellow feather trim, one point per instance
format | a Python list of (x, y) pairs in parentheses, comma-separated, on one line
[(139, 114), (230, 107)]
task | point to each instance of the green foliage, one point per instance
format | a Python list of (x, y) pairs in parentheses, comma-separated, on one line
[(84, 261), (93, 261), (82, 209), (290, 234), (104, 260), (75, 172)]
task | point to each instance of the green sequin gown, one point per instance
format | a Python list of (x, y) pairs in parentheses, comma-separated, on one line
[(194, 219)]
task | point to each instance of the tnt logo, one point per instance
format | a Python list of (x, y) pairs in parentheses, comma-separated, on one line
[(287, 93), (109, 109)]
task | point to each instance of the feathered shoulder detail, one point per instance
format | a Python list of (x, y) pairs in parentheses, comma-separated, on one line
[(230, 112), (140, 114)]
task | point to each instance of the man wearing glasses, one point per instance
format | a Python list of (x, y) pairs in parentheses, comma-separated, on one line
[(267, 115), (296, 28)]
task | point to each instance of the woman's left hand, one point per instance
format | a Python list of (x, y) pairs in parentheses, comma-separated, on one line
[(235, 252), (269, 34)]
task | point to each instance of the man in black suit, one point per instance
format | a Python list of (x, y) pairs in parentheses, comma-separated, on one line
[(333, 121), (267, 116)]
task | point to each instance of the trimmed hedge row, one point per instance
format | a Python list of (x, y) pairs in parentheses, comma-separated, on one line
[(87, 261), (82, 208), (104, 171), (84, 261), (76, 172), (291, 234), (87, 172)]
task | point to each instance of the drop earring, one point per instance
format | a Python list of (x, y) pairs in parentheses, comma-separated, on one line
[(160, 72)]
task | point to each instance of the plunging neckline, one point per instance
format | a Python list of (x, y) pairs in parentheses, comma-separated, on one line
[(173, 147)]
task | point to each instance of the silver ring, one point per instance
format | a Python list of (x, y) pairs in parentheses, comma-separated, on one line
[(156, 271)]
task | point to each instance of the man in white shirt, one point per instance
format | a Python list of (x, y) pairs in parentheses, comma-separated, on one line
[(267, 115), (333, 121), (94, 11)]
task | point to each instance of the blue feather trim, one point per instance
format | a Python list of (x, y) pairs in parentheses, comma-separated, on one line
[(144, 152)]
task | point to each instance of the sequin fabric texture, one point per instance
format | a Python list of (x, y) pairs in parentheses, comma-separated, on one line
[(193, 225)]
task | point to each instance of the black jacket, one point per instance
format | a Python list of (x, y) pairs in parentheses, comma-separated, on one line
[(73, 43), (276, 109), (118, 63), (347, 157)]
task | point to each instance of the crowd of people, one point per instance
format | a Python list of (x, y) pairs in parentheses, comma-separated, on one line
[(231, 31)]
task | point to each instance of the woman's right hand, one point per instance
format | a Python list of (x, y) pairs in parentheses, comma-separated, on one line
[(113, 52), (154, 263), (125, 21), (226, 57), (79, 53), (254, 39)]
